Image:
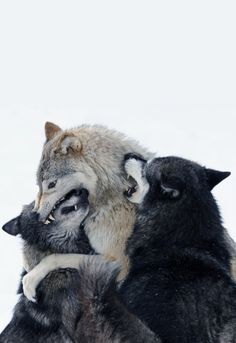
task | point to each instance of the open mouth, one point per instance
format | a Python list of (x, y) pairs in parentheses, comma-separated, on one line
[(75, 200)]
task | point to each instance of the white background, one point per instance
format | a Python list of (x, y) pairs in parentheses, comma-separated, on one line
[(164, 72)]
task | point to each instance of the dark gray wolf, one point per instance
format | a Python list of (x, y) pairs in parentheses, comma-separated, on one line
[(43, 322)]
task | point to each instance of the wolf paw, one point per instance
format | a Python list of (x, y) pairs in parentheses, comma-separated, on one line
[(30, 283)]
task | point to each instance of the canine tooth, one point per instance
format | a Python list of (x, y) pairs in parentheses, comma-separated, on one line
[(51, 217), (76, 207), (47, 222)]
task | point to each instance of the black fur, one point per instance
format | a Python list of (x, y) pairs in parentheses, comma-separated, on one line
[(53, 317), (179, 282), (104, 318)]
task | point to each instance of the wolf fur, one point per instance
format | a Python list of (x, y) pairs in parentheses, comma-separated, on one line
[(179, 283), (84, 154)]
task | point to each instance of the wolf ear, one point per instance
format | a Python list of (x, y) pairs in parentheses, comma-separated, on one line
[(170, 191), (215, 176), (51, 130), (68, 142), (171, 187), (12, 227)]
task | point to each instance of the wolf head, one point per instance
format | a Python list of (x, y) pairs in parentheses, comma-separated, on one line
[(88, 157), (178, 198), (62, 235), (172, 179)]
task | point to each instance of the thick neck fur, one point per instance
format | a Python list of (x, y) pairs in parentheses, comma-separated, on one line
[(193, 223), (109, 228)]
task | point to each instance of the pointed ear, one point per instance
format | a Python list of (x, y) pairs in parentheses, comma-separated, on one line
[(12, 227), (68, 143), (171, 187), (169, 191), (215, 176), (51, 130)]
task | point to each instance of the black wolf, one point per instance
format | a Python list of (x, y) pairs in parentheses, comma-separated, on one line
[(179, 282)]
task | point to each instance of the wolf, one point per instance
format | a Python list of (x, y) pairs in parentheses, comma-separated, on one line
[(44, 322), (179, 285), (90, 158)]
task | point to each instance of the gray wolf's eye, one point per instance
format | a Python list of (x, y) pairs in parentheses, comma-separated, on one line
[(52, 184)]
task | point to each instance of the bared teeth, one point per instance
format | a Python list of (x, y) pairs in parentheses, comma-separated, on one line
[(51, 217), (47, 222)]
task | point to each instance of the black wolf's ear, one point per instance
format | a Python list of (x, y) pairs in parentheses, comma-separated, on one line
[(171, 187), (12, 227), (51, 130), (170, 191), (215, 176)]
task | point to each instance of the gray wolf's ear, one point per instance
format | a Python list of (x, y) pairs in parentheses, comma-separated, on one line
[(68, 143), (12, 227), (215, 176), (51, 130)]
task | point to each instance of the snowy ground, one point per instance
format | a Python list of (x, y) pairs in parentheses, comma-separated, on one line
[(130, 65)]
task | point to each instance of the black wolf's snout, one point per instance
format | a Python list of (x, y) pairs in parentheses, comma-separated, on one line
[(12, 227)]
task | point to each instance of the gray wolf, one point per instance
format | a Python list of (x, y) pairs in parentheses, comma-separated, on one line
[(91, 158)]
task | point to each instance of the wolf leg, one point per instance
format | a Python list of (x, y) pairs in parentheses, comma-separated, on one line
[(104, 316), (49, 263)]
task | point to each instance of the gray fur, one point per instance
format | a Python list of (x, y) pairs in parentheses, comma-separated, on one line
[(108, 225)]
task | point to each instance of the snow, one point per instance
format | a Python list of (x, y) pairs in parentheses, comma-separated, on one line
[(161, 72)]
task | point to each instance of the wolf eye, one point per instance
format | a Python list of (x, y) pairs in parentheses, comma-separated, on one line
[(52, 184)]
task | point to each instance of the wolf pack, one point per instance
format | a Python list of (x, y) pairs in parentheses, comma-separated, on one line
[(122, 246)]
